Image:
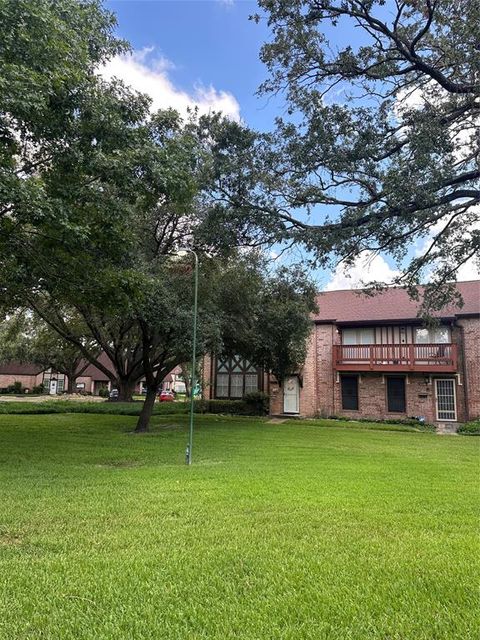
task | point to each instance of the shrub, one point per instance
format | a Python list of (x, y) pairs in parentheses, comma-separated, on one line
[(104, 392), (38, 389), (257, 402), (470, 428), (409, 422), (15, 388)]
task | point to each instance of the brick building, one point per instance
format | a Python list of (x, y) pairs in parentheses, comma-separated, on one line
[(372, 357), (90, 382)]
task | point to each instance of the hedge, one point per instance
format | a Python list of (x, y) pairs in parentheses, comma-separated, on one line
[(233, 407)]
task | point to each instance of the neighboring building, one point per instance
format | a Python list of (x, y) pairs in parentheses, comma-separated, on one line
[(90, 382), (29, 375), (371, 357), (172, 382)]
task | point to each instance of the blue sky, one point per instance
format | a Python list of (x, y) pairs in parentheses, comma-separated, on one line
[(208, 42)]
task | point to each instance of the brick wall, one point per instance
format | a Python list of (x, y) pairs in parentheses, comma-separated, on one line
[(419, 393), (470, 360), (28, 381), (207, 382), (321, 392)]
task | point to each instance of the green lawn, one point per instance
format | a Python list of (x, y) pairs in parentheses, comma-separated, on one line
[(278, 531)]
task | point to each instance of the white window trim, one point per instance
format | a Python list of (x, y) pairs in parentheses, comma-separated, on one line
[(454, 399)]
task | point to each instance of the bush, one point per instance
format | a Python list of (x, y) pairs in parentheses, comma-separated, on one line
[(15, 388), (470, 428), (258, 403), (38, 389), (408, 422), (104, 392)]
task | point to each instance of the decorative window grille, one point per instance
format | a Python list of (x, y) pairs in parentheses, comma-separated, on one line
[(235, 376)]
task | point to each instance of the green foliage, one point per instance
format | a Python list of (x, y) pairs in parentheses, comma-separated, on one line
[(470, 428), (38, 389), (410, 422), (378, 147), (258, 403), (267, 318), (114, 192), (16, 388), (103, 392), (246, 407)]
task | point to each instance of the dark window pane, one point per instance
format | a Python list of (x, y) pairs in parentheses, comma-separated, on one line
[(396, 395), (349, 392)]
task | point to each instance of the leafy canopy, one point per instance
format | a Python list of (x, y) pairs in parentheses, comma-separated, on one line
[(381, 136)]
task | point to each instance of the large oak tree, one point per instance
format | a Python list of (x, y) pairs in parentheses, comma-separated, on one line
[(378, 145)]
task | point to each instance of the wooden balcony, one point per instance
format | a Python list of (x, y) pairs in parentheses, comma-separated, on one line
[(431, 358)]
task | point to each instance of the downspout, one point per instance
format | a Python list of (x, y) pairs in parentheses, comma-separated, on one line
[(315, 351), (334, 377), (464, 373)]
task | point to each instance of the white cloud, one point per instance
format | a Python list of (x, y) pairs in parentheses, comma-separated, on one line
[(368, 266), (148, 74)]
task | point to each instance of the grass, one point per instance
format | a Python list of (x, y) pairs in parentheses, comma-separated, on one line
[(278, 531)]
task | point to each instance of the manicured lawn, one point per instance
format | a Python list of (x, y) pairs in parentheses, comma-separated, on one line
[(278, 531)]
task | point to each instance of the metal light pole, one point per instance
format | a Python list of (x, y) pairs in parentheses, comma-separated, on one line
[(188, 453)]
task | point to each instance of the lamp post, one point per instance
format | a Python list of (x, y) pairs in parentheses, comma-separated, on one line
[(188, 453)]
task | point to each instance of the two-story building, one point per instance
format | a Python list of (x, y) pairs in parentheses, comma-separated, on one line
[(372, 357)]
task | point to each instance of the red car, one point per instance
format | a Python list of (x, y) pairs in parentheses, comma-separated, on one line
[(166, 396)]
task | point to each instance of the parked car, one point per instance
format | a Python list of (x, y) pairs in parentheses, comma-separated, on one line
[(166, 396), (113, 395)]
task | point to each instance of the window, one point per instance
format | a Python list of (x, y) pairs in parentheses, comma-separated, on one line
[(349, 392), (235, 377), (435, 335), (236, 385), (364, 335), (251, 382), (222, 385), (445, 392), (396, 402)]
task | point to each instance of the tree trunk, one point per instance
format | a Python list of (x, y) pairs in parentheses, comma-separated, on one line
[(186, 378), (125, 390), (71, 384), (147, 409)]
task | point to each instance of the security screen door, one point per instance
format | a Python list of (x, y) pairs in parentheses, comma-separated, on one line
[(445, 392)]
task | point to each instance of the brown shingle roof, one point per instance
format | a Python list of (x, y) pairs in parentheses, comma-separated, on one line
[(20, 369), (393, 304), (93, 372)]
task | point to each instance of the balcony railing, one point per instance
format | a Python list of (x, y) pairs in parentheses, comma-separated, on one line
[(440, 358)]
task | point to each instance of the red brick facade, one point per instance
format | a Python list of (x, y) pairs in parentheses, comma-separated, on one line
[(392, 317), (320, 385), (320, 389)]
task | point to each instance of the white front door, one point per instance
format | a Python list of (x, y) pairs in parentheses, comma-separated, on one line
[(53, 387), (291, 395)]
